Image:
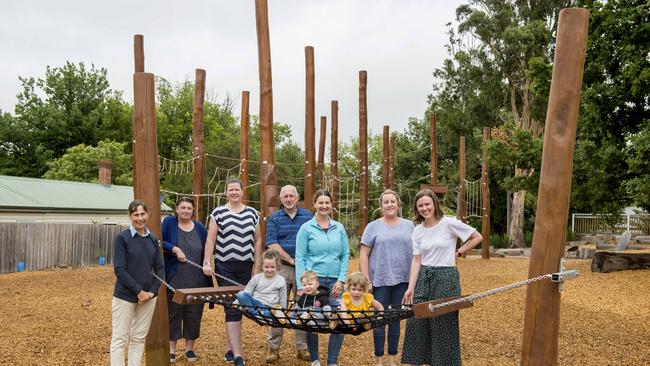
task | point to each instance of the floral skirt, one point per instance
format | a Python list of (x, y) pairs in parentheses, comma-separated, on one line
[(434, 341)]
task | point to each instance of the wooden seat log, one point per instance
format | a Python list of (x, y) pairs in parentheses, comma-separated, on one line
[(423, 310), (186, 296)]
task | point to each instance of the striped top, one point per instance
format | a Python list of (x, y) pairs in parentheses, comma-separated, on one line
[(236, 234)]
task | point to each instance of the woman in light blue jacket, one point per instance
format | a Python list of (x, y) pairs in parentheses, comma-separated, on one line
[(322, 247)]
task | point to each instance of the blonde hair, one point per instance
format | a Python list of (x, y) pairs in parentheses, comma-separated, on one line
[(273, 255), (389, 191), (309, 275), (357, 279)]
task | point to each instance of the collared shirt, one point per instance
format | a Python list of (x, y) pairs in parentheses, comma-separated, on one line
[(134, 231), (282, 229), (135, 259)]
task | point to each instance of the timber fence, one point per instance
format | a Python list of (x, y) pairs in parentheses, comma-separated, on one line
[(46, 245)]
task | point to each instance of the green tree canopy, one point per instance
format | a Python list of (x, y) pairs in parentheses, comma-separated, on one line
[(609, 168), (71, 105), (79, 163)]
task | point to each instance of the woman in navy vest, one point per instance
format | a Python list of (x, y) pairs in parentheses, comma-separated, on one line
[(136, 257)]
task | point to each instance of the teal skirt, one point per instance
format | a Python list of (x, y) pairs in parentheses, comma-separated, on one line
[(434, 341)]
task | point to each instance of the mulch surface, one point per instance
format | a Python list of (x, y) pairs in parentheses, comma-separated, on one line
[(62, 317)]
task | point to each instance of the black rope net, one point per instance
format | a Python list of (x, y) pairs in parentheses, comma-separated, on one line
[(353, 322)]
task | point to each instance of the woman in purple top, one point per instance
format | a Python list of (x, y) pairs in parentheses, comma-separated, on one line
[(385, 259)]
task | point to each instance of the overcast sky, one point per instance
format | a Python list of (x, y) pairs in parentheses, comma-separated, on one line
[(399, 43)]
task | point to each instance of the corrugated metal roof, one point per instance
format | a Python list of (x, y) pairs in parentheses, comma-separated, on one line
[(21, 192)]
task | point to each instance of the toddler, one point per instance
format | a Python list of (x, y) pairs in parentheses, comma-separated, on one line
[(356, 300), (266, 289), (313, 304)]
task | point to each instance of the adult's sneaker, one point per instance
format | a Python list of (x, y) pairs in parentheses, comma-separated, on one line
[(229, 357), (191, 356), (239, 361)]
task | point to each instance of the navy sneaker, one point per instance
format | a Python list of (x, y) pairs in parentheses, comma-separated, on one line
[(239, 361), (191, 356), (172, 357), (229, 357)]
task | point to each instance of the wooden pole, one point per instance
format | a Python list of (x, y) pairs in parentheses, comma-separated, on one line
[(542, 317), (363, 152), (138, 52), (434, 149), (462, 204), (138, 58), (391, 177), (269, 201), (198, 145), (485, 197), (334, 157), (243, 144), (385, 171), (321, 151), (310, 134), (146, 174)]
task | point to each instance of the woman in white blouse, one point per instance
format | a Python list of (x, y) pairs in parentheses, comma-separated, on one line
[(435, 341)]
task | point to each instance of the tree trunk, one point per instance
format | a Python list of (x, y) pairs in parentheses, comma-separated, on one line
[(516, 232)]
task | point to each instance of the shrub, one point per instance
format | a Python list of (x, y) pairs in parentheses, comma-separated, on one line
[(354, 246)]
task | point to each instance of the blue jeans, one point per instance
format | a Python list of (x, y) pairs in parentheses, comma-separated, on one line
[(252, 304), (388, 295), (335, 340)]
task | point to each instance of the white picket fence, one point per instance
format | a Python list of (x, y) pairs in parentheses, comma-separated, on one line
[(636, 224)]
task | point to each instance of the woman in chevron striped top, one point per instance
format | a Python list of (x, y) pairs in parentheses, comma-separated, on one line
[(234, 227)]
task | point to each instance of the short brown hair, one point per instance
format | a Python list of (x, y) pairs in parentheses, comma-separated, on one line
[(437, 213), (322, 192), (185, 199), (272, 254), (133, 206)]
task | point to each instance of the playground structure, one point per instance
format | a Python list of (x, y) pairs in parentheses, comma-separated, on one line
[(540, 339)]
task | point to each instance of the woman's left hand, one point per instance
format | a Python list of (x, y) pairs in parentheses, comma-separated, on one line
[(337, 289)]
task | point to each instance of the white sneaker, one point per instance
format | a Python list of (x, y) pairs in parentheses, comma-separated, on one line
[(315, 363)]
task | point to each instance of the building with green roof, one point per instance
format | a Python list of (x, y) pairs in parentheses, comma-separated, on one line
[(43, 200)]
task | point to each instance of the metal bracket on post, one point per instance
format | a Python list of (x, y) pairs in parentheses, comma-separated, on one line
[(563, 275)]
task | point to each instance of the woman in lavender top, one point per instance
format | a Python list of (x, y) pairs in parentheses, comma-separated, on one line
[(385, 259)]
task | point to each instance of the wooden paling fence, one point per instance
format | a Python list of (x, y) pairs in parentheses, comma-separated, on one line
[(45, 245)]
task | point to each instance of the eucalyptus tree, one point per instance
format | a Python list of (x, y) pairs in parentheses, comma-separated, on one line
[(498, 74)]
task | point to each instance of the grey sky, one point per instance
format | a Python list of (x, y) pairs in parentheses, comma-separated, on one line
[(398, 42)]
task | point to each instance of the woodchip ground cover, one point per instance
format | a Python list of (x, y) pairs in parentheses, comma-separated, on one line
[(62, 317)]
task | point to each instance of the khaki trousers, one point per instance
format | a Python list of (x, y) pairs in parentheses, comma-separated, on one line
[(275, 334), (131, 323)]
